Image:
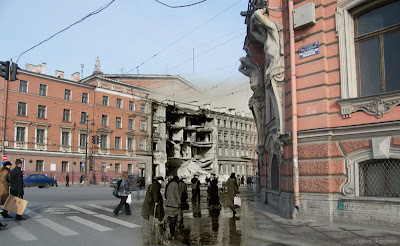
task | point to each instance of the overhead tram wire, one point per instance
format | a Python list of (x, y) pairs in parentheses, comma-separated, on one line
[(179, 6), (184, 36), (77, 22)]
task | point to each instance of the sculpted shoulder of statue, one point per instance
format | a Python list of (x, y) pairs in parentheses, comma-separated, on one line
[(270, 34), (253, 71)]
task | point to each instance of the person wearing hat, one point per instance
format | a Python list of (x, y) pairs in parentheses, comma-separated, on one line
[(4, 187)]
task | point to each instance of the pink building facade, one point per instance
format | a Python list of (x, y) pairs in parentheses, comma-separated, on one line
[(326, 105)]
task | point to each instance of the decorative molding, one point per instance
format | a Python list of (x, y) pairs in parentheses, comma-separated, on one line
[(376, 105)]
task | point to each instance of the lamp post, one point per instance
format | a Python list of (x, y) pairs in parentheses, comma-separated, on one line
[(85, 178)]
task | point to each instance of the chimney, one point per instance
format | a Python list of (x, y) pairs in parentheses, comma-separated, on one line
[(207, 106), (231, 111), (59, 74), (75, 76), (36, 69)]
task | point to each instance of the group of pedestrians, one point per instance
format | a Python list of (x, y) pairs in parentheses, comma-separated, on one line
[(169, 212), (11, 182)]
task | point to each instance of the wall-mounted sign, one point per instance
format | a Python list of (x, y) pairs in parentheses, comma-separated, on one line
[(340, 204), (309, 50)]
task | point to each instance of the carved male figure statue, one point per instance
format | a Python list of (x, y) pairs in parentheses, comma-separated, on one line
[(256, 102)]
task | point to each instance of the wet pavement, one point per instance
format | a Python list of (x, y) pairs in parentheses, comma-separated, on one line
[(259, 224)]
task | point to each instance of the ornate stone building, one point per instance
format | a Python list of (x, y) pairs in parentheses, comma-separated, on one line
[(325, 103)]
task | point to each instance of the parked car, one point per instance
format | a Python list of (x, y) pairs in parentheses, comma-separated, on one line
[(132, 177), (39, 180)]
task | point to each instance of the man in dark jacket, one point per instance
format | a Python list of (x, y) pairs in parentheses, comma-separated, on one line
[(195, 189), (152, 208), (172, 204), (17, 184)]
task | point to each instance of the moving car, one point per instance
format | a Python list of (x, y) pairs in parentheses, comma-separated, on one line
[(39, 180)]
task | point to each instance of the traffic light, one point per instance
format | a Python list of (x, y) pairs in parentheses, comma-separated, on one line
[(4, 69), (14, 72), (93, 139)]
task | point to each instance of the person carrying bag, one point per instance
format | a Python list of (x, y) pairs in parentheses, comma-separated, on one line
[(124, 190)]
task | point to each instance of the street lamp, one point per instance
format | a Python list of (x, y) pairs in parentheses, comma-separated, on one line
[(85, 178)]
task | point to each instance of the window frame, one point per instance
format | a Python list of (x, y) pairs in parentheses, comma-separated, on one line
[(85, 97), (42, 92), (65, 138), (23, 88), (131, 124), (376, 105), (40, 139), (131, 105), (42, 109), (118, 122), (21, 111), (118, 103), (67, 94), (66, 115), (117, 144), (105, 100)]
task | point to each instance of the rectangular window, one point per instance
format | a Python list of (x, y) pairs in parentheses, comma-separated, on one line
[(67, 115), (84, 117), (131, 124), (130, 144), (117, 168), (142, 145), (104, 120), (119, 103), (67, 94), (85, 97), (21, 109), (118, 122), (117, 142), (42, 90), (23, 86), (130, 168), (41, 112), (103, 141), (220, 151), (64, 166), (105, 100), (20, 134), (65, 139), (131, 105), (142, 108), (40, 136), (143, 125), (103, 168), (82, 139), (39, 166)]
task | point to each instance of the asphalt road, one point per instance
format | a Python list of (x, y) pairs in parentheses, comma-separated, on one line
[(67, 216)]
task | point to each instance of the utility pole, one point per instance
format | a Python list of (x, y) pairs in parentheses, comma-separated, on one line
[(7, 78), (85, 179)]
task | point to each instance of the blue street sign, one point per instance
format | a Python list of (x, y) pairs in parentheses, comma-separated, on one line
[(309, 50)]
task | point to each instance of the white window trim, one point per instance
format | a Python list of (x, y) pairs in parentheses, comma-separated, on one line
[(43, 145), (376, 105), (351, 187)]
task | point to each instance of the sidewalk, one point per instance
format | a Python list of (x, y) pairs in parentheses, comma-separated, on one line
[(260, 224)]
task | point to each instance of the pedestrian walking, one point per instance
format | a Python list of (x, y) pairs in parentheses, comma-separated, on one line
[(67, 180), (17, 184), (124, 190), (55, 180), (213, 194), (172, 204), (81, 180), (152, 209), (4, 189), (184, 203), (233, 189), (195, 189)]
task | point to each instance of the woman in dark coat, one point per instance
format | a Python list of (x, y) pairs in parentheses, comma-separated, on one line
[(233, 189), (4, 188), (213, 194)]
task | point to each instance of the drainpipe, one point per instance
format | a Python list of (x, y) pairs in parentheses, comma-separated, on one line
[(294, 113)]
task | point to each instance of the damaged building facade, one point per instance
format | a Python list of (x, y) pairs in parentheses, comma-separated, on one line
[(192, 140), (326, 105)]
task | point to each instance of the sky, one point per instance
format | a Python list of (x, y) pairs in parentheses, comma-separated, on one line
[(201, 43)]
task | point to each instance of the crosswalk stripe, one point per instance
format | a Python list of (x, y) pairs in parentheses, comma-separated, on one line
[(22, 234), (89, 223), (64, 231), (81, 209), (117, 221), (101, 207)]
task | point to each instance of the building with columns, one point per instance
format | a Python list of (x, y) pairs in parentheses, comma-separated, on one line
[(326, 106)]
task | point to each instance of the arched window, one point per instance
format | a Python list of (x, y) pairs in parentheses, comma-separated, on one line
[(275, 174)]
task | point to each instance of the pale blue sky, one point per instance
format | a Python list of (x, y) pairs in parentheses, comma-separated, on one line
[(130, 32)]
